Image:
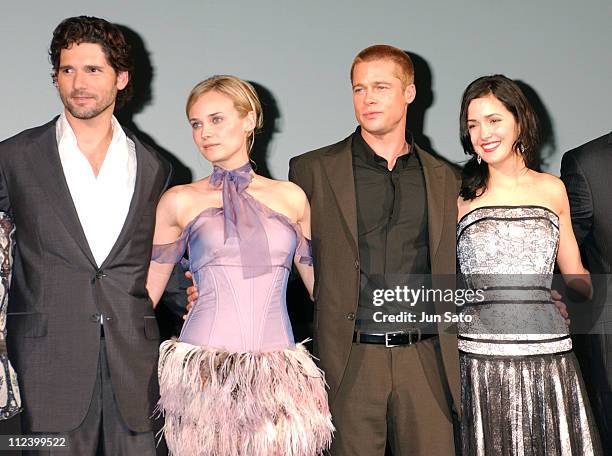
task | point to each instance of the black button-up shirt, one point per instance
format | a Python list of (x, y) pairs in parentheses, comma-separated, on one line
[(392, 226)]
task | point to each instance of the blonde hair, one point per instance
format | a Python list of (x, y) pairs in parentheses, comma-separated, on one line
[(386, 52), (240, 92)]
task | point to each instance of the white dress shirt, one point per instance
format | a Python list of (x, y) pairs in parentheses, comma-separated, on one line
[(102, 203)]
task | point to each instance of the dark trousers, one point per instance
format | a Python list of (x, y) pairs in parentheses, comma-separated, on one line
[(594, 352), (396, 395), (11, 426), (103, 431)]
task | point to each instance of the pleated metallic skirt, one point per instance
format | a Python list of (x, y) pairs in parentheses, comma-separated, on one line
[(525, 406)]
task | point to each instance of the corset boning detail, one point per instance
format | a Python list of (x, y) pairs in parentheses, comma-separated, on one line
[(239, 314)]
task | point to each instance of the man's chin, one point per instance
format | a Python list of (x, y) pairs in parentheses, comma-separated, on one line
[(85, 113), (374, 128)]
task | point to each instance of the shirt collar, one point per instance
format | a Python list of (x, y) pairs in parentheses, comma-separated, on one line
[(64, 132), (362, 150)]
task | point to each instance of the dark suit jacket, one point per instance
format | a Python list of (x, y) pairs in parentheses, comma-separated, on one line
[(586, 173), (57, 289), (326, 176)]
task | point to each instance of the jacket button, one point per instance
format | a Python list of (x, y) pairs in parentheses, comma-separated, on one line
[(356, 264), (350, 316), (100, 274)]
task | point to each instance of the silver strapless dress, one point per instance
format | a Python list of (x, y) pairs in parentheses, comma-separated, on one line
[(522, 391)]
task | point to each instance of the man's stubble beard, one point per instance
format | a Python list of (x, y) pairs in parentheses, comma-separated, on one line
[(84, 113)]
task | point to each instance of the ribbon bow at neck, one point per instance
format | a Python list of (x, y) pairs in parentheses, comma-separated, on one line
[(242, 219), (239, 178)]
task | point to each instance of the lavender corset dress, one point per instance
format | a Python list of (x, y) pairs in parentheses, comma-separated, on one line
[(522, 392), (235, 382)]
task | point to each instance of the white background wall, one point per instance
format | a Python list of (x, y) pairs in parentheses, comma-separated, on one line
[(301, 51)]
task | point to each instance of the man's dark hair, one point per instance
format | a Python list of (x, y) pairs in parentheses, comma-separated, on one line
[(87, 29)]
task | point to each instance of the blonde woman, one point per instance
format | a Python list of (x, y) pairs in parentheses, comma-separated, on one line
[(235, 382)]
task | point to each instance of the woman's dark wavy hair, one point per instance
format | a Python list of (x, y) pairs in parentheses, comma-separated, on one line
[(87, 29), (475, 176)]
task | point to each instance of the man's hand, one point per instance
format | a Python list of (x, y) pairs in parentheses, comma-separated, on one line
[(192, 294), (560, 305)]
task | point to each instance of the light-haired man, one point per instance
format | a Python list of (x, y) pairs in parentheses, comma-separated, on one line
[(382, 208)]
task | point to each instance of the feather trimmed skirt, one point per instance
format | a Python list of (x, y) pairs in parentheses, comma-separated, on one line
[(525, 406), (218, 403)]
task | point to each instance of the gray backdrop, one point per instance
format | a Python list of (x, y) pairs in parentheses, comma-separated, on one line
[(299, 54)]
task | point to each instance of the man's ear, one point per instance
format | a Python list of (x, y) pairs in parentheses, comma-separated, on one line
[(123, 77), (410, 93)]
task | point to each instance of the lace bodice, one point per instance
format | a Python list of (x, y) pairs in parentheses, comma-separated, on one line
[(509, 253)]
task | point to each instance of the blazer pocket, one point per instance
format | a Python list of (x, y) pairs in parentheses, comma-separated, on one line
[(27, 324), (151, 329)]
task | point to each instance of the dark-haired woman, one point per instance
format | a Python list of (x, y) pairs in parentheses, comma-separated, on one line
[(522, 391)]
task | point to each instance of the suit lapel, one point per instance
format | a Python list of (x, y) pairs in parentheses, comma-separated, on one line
[(45, 163), (146, 167), (338, 167), (435, 188)]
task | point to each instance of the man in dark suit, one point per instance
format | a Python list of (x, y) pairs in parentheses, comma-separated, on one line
[(381, 207), (586, 173), (82, 193)]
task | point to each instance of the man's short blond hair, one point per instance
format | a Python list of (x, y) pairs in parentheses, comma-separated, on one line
[(386, 52)]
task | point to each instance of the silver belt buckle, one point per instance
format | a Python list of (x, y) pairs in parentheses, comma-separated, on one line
[(388, 334)]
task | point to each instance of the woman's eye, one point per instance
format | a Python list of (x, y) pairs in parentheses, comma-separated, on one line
[(217, 119), (196, 125)]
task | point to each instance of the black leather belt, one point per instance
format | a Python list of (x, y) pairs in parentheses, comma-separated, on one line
[(391, 339)]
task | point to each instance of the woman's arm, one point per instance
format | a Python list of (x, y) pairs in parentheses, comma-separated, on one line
[(306, 271), (579, 194), (167, 231), (568, 257)]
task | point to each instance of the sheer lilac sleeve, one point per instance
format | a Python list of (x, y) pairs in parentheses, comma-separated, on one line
[(303, 251), (171, 253)]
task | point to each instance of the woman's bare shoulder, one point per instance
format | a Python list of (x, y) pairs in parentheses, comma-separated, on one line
[(548, 184), (282, 188), (185, 200), (463, 207), (552, 190), (282, 196)]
